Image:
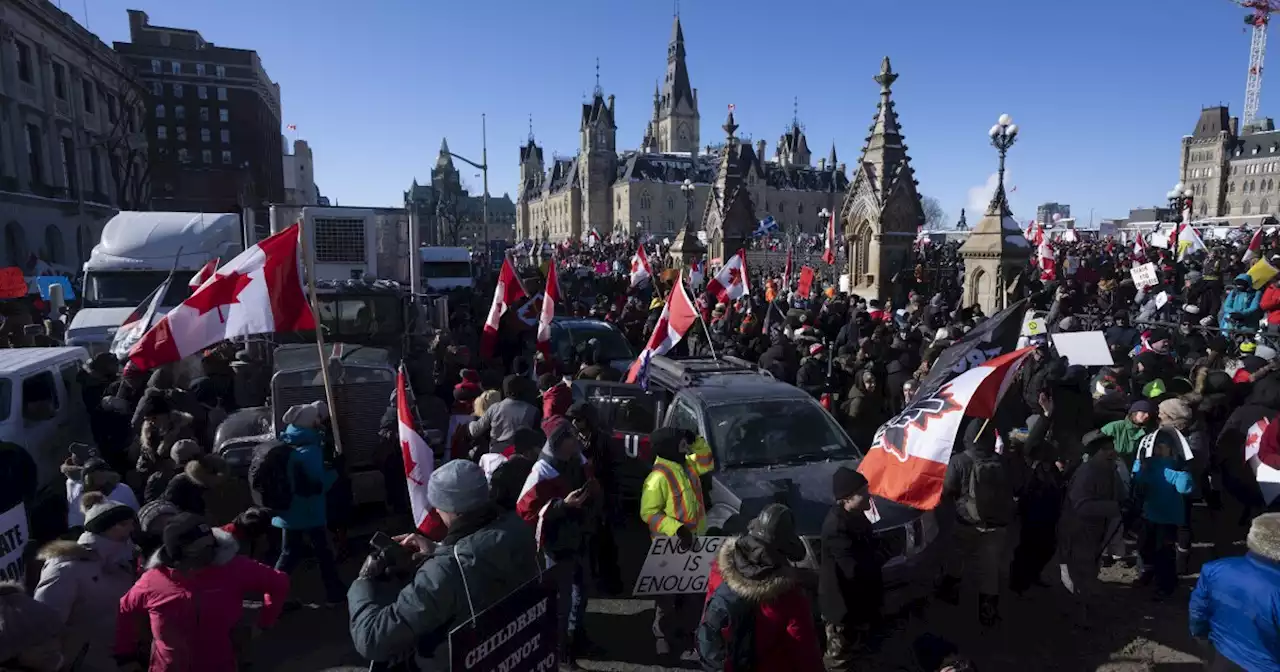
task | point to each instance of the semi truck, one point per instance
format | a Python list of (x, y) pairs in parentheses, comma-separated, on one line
[(445, 269), (137, 252)]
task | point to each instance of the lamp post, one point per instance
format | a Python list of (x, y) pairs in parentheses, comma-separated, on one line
[(483, 167), (1180, 198), (687, 189), (1003, 135)]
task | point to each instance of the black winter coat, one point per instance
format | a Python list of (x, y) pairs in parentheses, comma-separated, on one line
[(850, 581)]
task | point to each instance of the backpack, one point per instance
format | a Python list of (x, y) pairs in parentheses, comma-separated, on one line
[(269, 475), (988, 497)]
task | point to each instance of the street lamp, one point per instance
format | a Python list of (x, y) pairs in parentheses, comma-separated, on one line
[(1180, 198), (1003, 135), (483, 167), (688, 188)]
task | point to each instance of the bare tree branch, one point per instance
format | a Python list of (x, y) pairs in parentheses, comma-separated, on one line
[(934, 215), (126, 147)]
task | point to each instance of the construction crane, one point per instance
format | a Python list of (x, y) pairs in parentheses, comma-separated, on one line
[(1259, 19)]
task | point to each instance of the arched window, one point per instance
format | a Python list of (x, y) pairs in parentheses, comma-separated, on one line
[(53, 245), (799, 208), (1265, 207), (1229, 209), (1231, 188), (1204, 210), (15, 242), (1248, 208), (782, 208), (645, 200)]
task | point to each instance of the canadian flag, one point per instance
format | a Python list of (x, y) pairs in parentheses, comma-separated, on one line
[(1044, 255), (640, 269), (1140, 245), (139, 321), (550, 297), (1254, 250), (1262, 454), (204, 274), (678, 314), (257, 292), (907, 461), (505, 294), (731, 281), (697, 272), (829, 254), (415, 453)]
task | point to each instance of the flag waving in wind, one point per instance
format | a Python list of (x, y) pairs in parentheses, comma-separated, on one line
[(257, 292), (907, 462), (203, 274), (550, 297), (505, 295), (1254, 251), (139, 321), (829, 254), (414, 452), (678, 314), (640, 269), (787, 271), (731, 282)]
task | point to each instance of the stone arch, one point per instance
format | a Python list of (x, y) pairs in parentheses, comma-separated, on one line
[(860, 253), (975, 285), (15, 244), (54, 247), (1248, 208), (1265, 207)]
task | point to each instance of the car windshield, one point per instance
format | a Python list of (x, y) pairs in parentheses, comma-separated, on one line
[(612, 344), (446, 269), (128, 289), (760, 433)]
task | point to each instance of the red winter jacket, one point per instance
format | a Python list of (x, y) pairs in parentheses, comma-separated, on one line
[(1270, 304), (784, 636)]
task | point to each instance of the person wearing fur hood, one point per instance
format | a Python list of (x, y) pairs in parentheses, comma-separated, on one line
[(83, 581), (95, 475), (162, 426), (1234, 603), (189, 489), (192, 594), (752, 584)]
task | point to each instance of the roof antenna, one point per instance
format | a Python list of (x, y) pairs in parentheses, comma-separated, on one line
[(795, 111), (677, 8), (599, 91), (530, 128)]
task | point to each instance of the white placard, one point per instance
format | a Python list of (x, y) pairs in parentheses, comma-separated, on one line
[(1161, 299), (1083, 348), (1144, 275), (668, 571), (13, 541), (1071, 265)]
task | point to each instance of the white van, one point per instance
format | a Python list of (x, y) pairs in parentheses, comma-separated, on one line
[(40, 405)]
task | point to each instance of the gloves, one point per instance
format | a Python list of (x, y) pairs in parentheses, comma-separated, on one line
[(375, 566), (684, 537)]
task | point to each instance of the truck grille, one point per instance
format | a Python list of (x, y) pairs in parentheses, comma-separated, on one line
[(360, 407)]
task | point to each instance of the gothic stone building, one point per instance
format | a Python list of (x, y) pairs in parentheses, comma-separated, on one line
[(449, 215), (1231, 173), (634, 191)]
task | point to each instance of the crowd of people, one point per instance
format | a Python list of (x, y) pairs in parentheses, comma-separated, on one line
[(1126, 464)]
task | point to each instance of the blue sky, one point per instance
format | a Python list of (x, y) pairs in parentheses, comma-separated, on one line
[(1102, 90)]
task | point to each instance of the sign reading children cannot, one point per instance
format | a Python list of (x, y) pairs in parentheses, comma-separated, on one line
[(517, 634), (669, 571), (13, 541)]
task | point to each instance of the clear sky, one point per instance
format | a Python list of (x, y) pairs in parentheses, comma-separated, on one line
[(1102, 90)]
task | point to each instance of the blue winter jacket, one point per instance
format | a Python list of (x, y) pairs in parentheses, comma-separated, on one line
[(309, 480), (1243, 302), (1163, 489), (1236, 604)]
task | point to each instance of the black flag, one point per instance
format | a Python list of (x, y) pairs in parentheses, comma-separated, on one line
[(994, 337)]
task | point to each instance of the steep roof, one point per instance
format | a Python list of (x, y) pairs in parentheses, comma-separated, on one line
[(675, 86), (1213, 121), (597, 111)]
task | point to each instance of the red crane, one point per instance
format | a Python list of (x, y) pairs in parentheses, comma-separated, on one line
[(1261, 16)]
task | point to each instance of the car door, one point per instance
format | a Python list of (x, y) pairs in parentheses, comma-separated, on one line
[(628, 414)]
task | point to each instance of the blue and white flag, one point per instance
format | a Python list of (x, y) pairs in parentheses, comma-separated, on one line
[(767, 225), (642, 378)]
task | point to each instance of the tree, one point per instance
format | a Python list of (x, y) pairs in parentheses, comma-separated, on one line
[(934, 216), (126, 146)]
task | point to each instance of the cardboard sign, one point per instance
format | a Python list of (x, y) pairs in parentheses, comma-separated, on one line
[(13, 541), (12, 284), (1144, 275), (668, 571), (517, 634), (44, 282), (1083, 348), (806, 281), (1033, 324)]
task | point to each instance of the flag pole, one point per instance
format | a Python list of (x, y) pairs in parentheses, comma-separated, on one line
[(320, 349), (705, 329)]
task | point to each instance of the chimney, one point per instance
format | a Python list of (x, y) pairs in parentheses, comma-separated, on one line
[(611, 103), (842, 170), (1235, 126), (760, 145), (822, 164)]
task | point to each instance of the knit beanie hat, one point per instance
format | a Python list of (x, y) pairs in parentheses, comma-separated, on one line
[(846, 483), (184, 530), (184, 451), (24, 622), (1264, 536), (1175, 412), (102, 514), (152, 512), (458, 487)]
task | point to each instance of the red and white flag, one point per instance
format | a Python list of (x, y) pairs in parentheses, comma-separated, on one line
[(257, 292), (1044, 255), (505, 295), (829, 254), (1254, 250), (730, 283), (550, 297), (678, 314), (787, 271), (541, 488), (1140, 245), (641, 272), (697, 273), (908, 459), (204, 274), (139, 321), (415, 453)]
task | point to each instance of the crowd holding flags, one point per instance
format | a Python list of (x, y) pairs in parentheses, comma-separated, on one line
[(505, 295), (416, 455), (678, 315), (829, 254)]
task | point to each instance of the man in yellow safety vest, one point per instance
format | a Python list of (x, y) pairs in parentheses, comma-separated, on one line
[(672, 505)]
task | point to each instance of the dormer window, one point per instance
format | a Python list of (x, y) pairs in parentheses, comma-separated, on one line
[(1255, 151)]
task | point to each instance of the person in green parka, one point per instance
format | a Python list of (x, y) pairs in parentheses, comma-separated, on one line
[(1126, 433)]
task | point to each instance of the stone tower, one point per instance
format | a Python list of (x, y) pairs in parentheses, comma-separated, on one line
[(994, 254), (793, 147), (447, 184), (531, 177), (678, 119), (597, 163), (650, 142), (882, 211), (730, 216)]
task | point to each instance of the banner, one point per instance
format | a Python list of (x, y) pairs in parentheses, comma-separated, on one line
[(12, 284), (518, 634), (13, 541), (669, 571), (806, 281), (994, 337)]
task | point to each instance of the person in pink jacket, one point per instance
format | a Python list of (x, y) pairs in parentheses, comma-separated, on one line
[(192, 591)]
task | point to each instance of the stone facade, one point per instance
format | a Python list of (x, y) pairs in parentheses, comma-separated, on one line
[(450, 215), (300, 176), (71, 150), (882, 213), (636, 191), (1231, 173)]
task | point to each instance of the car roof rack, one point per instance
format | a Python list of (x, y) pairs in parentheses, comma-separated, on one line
[(690, 371)]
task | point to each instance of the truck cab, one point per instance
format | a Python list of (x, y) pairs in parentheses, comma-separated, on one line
[(445, 269)]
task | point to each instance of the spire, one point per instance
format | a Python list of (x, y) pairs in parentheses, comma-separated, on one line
[(795, 112), (885, 149), (598, 91), (886, 78), (730, 126), (831, 159), (445, 159), (657, 99), (676, 86), (531, 130)]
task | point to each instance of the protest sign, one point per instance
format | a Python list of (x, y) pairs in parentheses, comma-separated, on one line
[(517, 634), (12, 284), (1083, 348), (1144, 275), (669, 571), (806, 281), (44, 282), (13, 541)]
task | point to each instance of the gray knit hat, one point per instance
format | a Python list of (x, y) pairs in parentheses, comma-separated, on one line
[(185, 450), (102, 514), (458, 487), (24, 622), (153, 515)]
